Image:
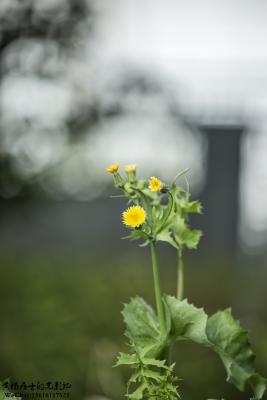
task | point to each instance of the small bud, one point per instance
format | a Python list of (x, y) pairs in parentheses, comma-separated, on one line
[(130, 169), (119, 182)]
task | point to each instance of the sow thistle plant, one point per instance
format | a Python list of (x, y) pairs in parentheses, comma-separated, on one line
[(159, 211)]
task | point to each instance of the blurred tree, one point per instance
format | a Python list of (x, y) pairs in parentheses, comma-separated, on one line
[(54, 19), (38, 41)]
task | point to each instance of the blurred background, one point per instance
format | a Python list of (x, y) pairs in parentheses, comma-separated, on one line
[(167, 85)]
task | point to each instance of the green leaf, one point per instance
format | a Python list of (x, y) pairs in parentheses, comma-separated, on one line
[(148, 373), (152, 377), (191, 238), (134, 377), (188, 321), (138, 393), (142, 328), (157, 212), (126, 359), (194, 207), (258, 384), (165, 236), (141, 184), (139, 234), (152, 196), (176, 191), (190, 206), (231, 342), (136, 234), (155, 363), (183, 235), (224, 335), (156, 383), (4, 391), (178, 225), (142, 325)]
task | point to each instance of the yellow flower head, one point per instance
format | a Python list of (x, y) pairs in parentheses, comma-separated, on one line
[(130, 168), (113, 168), (134, 216), (155, 184)]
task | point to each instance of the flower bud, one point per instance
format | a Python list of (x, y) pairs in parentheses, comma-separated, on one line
[(130, 170), (119, 182)]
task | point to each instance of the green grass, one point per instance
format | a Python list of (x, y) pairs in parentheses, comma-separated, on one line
[(61, 319)]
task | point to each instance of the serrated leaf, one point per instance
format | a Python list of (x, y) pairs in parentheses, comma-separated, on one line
[(155, 363), (190, 238), (176, 191), (194, 207), (188, 206), (258, 384), (126, 359), (138, 393), (148, 373), (183, 235), (142, 328), (178, 225), (188, 321), (165, 236), (142, 325), (134, 377), (231, 342), (224, 335)]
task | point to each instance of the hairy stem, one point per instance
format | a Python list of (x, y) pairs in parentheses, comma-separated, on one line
[(157, 288), (180, 275)]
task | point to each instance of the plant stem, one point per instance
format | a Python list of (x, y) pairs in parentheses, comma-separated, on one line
[(157, 288), (180, 275), (170, 206)]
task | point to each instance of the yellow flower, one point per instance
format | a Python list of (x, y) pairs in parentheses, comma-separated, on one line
[(134, 216), (155, 184), (113, 168), (130, 168)]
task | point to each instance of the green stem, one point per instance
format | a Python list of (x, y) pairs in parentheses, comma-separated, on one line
[(170, 207), (157, 288), (180, 174), (146, 204), (180, 275)]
